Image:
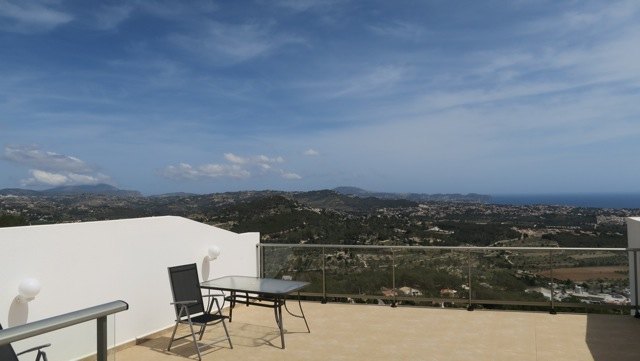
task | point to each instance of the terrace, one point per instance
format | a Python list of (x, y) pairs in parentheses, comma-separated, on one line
[(370, 332), (127, 260)]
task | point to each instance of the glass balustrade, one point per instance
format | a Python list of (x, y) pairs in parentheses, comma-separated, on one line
[(495, 277)]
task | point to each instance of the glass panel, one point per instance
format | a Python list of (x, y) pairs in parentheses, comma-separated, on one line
[(276, 261), (592, 277), (358, 271), (433, 273), (294, 263), (510, 275)]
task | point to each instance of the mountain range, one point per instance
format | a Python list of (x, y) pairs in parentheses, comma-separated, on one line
[(109, 190), (97, 189)]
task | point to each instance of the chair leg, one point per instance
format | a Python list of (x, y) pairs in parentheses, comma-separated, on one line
[(173, 335), (202, 328), (227, 333), (195, 343), (41, 356)]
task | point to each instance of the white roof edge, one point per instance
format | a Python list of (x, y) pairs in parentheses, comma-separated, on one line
[(140, 219)]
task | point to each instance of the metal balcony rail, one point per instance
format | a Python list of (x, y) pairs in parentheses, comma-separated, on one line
[(470, 301), (98, 313)]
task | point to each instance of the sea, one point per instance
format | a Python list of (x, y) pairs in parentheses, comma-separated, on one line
[(595, 200)]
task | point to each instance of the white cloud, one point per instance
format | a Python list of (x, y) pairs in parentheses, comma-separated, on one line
[(26, 16), (44, 178), (187, 171), (235, 159), (311, 152), (52, 169), (291, 176), (238, 167)]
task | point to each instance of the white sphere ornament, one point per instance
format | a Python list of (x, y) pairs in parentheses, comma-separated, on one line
[(214, 252), (28, 289)]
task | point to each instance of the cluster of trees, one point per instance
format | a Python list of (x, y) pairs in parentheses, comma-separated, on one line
[(12, 220)]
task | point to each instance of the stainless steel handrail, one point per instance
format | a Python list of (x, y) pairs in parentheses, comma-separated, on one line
[(98, 313), (484, 248)]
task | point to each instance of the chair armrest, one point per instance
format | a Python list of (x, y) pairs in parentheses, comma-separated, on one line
[(184, 302), (37, 348)]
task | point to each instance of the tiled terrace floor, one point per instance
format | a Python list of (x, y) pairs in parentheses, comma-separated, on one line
[(363, 332)]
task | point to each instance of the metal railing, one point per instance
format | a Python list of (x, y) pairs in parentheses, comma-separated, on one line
[(312, 266), (98, 313)]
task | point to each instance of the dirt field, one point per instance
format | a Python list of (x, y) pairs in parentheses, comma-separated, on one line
[(579, 274)]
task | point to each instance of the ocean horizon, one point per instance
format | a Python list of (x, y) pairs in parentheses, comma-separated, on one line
[(594, 200)]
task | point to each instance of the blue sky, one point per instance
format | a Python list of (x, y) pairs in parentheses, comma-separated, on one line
[(409, 96)]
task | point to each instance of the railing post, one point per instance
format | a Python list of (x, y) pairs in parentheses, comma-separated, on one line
[(470, 306), (635, 284), (393, 278), (259, 260), (101, 338), (324, 279), (553, 309)]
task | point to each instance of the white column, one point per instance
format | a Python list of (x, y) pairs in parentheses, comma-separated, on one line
[(633, 234)]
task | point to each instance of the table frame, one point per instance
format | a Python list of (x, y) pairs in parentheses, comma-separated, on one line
[(262, 298)]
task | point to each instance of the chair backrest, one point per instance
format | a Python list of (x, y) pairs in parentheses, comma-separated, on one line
[(7, 353), (185, 286)]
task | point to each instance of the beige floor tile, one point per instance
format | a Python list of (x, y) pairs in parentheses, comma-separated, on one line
[(366, 332)]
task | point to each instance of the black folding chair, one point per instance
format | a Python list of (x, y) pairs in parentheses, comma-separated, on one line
[(8, 354), (189, 305)]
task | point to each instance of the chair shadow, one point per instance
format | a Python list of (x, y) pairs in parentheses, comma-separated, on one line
[(183, 347), (612, 337), (242, 335)]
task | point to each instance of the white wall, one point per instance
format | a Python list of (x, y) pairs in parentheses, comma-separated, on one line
[(85, 264), (633, 236)]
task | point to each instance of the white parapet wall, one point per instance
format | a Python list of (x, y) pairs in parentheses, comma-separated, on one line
[(80, 265), (633, 234)]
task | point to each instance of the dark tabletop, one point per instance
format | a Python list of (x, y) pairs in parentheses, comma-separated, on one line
[(254, 285)]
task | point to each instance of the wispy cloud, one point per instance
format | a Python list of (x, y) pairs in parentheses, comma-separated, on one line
[(237, 167), (27, 16), (372, 81), (399, 30), (311, 152), (225, 43), (109, 17), (52, 169), (302, 5)]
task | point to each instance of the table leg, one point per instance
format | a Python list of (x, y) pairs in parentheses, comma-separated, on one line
[(232, 304), (278, 312), (301, 312)]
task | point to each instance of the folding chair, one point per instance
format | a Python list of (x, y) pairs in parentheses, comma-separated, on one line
[(189, 305)]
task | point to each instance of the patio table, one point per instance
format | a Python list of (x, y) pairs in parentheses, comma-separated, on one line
[(263, 292)]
